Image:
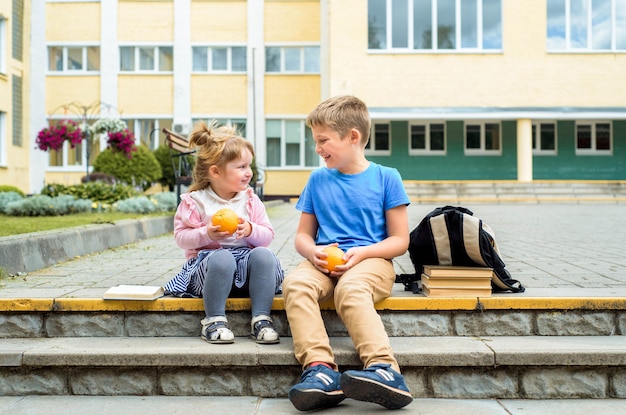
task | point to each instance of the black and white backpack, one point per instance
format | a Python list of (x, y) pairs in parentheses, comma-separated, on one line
[(452, 235)]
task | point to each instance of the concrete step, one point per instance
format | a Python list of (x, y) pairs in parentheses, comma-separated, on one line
[(404, 314), (498, 367), (516, 192)]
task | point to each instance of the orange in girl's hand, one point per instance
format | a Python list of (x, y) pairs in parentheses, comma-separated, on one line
[(335, 257), (226, 219)]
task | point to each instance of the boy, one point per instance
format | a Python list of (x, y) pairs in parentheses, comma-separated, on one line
[(359, 206)]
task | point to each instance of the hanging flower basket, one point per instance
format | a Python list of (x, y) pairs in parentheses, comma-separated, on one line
[(122, 141), (107, 125), (53, 137)]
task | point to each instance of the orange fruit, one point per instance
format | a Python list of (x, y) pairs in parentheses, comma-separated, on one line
[(226, 219), (335, 257)]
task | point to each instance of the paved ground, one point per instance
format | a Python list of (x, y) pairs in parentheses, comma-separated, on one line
[(158, 405), (568, 250)]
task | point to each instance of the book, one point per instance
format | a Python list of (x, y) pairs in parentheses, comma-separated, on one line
[(457, 282), (134, 292), (456, 292), (452, 271)]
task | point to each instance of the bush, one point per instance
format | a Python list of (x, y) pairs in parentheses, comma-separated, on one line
[(165, 202), (9, 188), (96, 191), (8, 197), (42, 205), (139, 204), (141, 169), (162, 154), (98, 177)]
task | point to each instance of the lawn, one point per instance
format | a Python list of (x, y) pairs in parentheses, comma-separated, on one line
[(15, 225)]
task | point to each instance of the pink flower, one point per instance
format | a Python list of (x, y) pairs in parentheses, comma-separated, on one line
[(52, 138), (122, 141)]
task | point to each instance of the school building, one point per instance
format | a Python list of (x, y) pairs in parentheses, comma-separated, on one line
[(459, 90)]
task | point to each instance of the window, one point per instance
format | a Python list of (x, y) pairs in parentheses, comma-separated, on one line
[(444, 25), (147, 131), (73, 58), (482, 138), (427, 138), (292, 59), (586, 25), (219, 59), (544, 138), (380, 139), (146, 59), (70, 159), (593, 138), (290, 144), (3, 44)]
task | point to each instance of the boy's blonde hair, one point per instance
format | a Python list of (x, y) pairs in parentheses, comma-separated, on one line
[(215, 146), (342, 113)]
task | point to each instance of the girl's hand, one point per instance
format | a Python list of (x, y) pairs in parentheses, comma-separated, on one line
[(215, 234), (244, 229)]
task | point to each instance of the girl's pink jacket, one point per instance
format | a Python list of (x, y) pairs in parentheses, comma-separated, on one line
[(191, 235)]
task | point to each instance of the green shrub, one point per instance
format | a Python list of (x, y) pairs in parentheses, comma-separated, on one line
[(140, 170), (165, 201), (8, 197), (42, 205), (8, 188), (139, 204), (162, 154), (96, 191)]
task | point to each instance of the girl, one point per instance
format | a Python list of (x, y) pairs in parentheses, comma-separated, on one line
[(219, 264)]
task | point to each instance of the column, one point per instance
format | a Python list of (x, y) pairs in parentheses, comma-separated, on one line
[(524, 150)]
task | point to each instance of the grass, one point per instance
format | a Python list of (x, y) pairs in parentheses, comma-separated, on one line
[(16, 225)]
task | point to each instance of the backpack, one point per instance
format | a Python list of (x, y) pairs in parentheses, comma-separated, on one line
[(451, 235)]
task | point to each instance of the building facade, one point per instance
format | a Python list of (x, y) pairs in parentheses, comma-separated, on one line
[(457, 89)]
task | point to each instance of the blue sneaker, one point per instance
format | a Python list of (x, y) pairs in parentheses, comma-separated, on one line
[(378, 383), (318, 388)]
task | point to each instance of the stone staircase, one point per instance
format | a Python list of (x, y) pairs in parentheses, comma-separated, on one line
[(459, 192), (503, 346)]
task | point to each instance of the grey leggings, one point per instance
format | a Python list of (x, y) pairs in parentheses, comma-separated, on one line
[(219, 281)]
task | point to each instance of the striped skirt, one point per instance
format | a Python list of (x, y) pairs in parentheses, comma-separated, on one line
[(190, 280)]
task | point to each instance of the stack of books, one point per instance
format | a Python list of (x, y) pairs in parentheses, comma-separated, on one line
[(451, 281), (134, 292)]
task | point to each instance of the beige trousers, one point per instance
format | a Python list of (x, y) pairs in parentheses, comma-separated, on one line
[(354, 295)]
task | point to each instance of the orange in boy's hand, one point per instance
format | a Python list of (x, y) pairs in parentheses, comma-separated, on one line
[(335, 257), (226, 219)]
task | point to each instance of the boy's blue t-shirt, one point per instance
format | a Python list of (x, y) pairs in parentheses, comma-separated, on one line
[(350, 208)]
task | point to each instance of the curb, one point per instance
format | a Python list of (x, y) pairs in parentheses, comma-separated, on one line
[(32, 251)]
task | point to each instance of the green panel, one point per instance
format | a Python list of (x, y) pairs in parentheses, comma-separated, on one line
[(566, 165)]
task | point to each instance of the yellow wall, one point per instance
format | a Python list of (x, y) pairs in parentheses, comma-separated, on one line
[(219, 21), (292, 21), (285, 182), (72, 22), (61, 90), (524, 74), (152, 94), (280, 96), (220, 94), (145, 21), (64, 178)]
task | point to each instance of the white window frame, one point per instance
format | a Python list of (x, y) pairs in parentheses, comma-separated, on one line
[(536, 131), (229, 59), (65, 167), (370, 148), (64, 60), (428, 151), (283, 145), (409, 10), (593, 151), (567, 37), (482, 151), (3, 45), (303, 59), (137, 59)]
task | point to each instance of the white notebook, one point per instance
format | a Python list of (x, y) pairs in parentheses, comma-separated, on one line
[(134, 292)]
